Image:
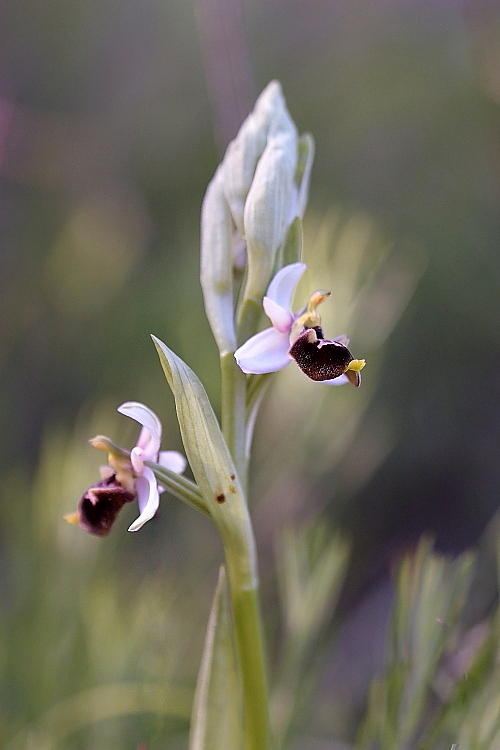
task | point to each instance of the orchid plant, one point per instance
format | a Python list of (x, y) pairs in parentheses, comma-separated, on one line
[(251, 245)]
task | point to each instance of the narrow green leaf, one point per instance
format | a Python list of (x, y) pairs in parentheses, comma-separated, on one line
[(217, 718), (430, 595), (207, 453), (57, 727), (205, 447), (311, 567)]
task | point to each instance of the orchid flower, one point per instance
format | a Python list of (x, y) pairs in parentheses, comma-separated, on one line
[(127, 478), (298, 336)]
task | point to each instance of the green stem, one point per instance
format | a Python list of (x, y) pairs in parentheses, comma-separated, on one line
[(241, 561), (249, 316), (244, 591), (233, 412)]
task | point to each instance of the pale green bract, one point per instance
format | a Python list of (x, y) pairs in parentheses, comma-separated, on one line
[(217, 717)]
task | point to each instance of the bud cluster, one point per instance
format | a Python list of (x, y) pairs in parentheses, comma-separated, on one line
[(250, 207)]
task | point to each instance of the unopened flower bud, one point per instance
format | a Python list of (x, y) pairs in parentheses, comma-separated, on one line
[(269, 117), (267, 210), (217, 238), (264, 178)]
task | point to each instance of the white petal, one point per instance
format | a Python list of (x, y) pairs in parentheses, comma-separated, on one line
[(172, 460), (137, 460), (341, 380), (344, 339), (267, 351), (281, 319), (147, 497), (282, 287), (150, 436)]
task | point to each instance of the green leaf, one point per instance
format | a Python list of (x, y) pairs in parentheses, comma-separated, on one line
[(431, 591), (311, 568), (207, 453), (70, 716), (217, 719)]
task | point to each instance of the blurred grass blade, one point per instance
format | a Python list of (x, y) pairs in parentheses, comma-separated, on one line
[(471, 712), (469, 682), (70, 716), (311, 567), (431, 592), (217, 718)]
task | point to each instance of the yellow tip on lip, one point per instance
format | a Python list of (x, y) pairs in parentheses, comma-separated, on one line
[(356, 365), (72, 518)]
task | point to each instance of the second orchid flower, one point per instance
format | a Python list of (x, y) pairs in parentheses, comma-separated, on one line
[(127, 478)]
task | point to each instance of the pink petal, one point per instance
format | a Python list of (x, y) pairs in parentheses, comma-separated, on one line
[(137, 460), (148, 498), (267, 351), (150, 436), (343, 339), (144, 438), (281, 319), (282, 287), (172, 460)]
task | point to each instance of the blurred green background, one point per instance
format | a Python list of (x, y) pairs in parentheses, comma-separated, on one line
[(113, 118)]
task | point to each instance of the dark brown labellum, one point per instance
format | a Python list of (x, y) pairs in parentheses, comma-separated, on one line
[(100, 505), (320, 359)]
